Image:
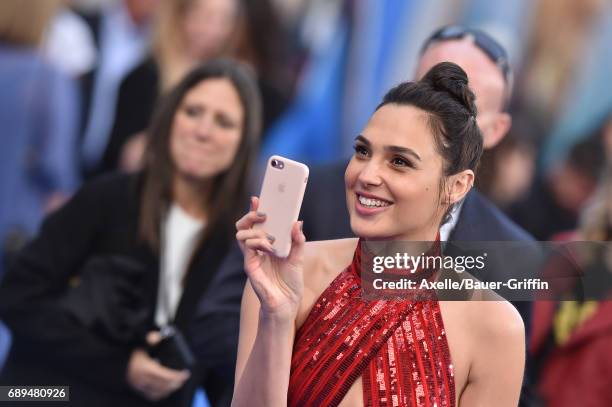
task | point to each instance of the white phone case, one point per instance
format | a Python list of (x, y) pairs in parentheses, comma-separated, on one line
[(280, 199)]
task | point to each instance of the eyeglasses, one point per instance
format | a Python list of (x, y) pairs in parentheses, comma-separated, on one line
[(482, 40)]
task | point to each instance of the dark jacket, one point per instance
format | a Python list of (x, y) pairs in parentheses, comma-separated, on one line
[(324, 210), (481, 221), (41, 301), (135, 105)]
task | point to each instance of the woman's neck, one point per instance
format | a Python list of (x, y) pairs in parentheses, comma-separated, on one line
[(428, 234), (413, 243), (190, 196)]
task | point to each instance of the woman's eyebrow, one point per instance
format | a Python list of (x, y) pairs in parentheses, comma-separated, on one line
[(363, 140), (404, 150), (393, 149)]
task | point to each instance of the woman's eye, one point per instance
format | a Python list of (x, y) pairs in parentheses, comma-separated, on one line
[(193, 111), (401, 162), (225, 122), (360, 151)]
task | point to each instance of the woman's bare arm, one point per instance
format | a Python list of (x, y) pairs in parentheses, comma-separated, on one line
[(496, 373), (270, 305), (264, 356)]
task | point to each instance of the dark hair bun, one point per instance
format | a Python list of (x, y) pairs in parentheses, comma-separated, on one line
[(450, 78)]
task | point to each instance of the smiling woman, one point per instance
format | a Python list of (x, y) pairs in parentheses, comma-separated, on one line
[(202, 141), (418, 153), (386, 175), (124, 263), (303, 319), (206, 129)]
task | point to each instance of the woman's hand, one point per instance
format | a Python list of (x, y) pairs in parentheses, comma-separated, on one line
[(153, 380), (277, 282)]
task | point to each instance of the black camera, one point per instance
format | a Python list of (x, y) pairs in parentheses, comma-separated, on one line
[(172, 350)]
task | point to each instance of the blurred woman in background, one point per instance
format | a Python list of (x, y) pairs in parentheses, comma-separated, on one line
[(130, 254), (186, 33), (190, 32)]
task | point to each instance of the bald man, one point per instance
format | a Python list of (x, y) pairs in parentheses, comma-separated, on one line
[(486, 80)]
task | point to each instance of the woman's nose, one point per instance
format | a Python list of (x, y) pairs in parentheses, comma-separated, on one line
[(204, 127), (370, 174)]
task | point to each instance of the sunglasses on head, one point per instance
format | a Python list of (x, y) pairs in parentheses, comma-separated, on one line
[(488, 45)]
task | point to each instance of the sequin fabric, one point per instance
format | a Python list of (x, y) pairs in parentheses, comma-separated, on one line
[(399, 348)]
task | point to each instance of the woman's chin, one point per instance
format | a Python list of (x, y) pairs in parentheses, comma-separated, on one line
[(194, 173), (367, 232)]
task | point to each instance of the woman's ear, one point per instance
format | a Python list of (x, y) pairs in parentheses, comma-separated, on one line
[(459, 185)]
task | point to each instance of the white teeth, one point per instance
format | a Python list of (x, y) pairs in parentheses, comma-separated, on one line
[(372, 202)]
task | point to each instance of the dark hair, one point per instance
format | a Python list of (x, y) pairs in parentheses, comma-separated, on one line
[(443, 93), (228, 193)]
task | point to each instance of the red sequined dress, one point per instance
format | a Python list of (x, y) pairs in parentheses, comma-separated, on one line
[(398, 348)]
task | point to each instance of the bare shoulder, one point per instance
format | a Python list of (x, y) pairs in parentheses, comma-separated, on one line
[(483, 334), (487, 314), (497, 336), (328, 255), (496, 318), (323, 261), (491, 318), (491, 349)]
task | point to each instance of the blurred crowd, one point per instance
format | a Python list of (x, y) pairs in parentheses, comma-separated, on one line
[(83, 81)]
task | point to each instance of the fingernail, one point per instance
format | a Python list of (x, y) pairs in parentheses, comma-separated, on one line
[(271, 238), (261, 214), (301, 225)]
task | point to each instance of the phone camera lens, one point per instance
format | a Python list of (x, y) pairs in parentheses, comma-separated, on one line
[(278, 164)]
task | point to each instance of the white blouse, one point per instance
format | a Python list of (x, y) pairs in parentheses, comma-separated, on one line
[(180, 234)]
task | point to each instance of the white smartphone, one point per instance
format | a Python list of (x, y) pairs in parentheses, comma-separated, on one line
[(280, 199)]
